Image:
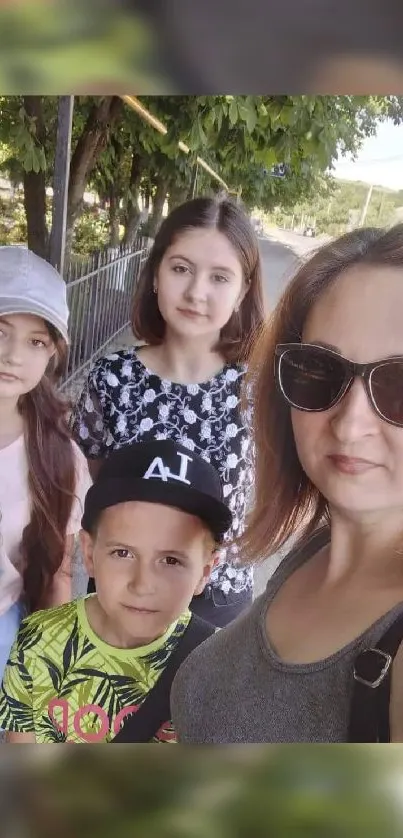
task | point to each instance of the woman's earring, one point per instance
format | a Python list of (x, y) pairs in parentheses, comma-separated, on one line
[(155, 289)]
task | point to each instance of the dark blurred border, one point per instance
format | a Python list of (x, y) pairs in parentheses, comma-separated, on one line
[(206, 47), (293, 46)]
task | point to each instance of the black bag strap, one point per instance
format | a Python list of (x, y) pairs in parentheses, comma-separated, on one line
[(155, 709), (369, 713)]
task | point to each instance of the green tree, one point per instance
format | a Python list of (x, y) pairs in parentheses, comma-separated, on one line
[(251, 134), (28, 130), (124, 159)]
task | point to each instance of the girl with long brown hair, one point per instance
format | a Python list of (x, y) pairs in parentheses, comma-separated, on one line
[(43, 475), (318, 654), (197, 307)]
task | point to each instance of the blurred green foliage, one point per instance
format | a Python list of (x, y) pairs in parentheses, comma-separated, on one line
[(287, 791), (91, 231), (13, 223), (61, 45)]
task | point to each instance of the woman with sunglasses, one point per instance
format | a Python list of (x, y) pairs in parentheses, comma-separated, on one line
[(318, 657)]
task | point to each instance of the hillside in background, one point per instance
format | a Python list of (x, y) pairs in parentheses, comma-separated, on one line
[(339, 208)]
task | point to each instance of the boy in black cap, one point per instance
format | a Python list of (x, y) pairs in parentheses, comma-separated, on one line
[(100, 669)]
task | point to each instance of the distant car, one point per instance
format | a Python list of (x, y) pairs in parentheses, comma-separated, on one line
[(310, 231)]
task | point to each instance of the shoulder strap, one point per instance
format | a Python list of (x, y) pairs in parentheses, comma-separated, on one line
[(155, 709), (369, 712)]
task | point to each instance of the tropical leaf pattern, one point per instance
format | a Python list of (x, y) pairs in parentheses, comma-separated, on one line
[(66, 686)]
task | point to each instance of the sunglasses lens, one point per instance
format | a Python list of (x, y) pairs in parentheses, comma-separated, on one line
[(387, 390), (311, 379)]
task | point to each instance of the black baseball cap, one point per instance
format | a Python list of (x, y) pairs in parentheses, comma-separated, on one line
[(163, 472)]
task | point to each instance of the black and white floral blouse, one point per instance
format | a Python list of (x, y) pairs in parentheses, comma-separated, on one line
[(124, 402)]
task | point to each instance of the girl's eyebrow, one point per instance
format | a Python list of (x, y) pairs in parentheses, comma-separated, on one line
[(179, 256), (42, 332), (223, 268)]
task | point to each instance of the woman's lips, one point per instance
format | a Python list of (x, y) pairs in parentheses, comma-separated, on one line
[(351, 465)]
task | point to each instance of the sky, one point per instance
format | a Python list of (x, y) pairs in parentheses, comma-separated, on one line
[(380, 160)]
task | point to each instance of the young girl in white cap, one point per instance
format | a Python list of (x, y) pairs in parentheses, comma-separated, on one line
[(43, 475)]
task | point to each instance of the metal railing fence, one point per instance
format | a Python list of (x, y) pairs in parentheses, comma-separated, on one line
[(99, 293)]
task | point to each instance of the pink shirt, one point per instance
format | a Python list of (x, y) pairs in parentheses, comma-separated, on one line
[(15, 514)]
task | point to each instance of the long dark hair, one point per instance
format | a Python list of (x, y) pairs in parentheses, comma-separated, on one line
[(228, 218), (286, 501), (51, 480)]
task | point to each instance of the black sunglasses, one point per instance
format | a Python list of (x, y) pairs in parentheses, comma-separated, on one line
[(314, 378)]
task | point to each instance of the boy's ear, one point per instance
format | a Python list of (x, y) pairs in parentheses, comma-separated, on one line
[(87, 549), (210, 564)]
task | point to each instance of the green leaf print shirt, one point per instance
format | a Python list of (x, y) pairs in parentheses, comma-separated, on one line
[(64, 684)]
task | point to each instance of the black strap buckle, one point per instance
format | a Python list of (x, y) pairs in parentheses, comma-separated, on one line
[(366, 667)]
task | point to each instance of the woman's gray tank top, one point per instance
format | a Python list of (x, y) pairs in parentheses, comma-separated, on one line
[(234, 688)]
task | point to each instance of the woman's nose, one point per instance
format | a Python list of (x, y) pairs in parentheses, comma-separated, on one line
[(354, 416)]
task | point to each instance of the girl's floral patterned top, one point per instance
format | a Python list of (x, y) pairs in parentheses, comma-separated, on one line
[(124, 402)]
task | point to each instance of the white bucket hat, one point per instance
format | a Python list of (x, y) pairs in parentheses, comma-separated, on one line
[(30, 285)]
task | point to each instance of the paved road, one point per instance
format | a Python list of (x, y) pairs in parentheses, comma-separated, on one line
[(279, 263), (281, 252)]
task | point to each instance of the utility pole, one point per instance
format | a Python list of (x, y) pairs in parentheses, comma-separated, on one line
[(381, 206), (366, 205), (61, 181)]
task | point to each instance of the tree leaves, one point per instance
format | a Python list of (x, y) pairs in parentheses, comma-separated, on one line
[(233, 112), (247, 110), (34, 159), (26, 146), (236, 135)]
